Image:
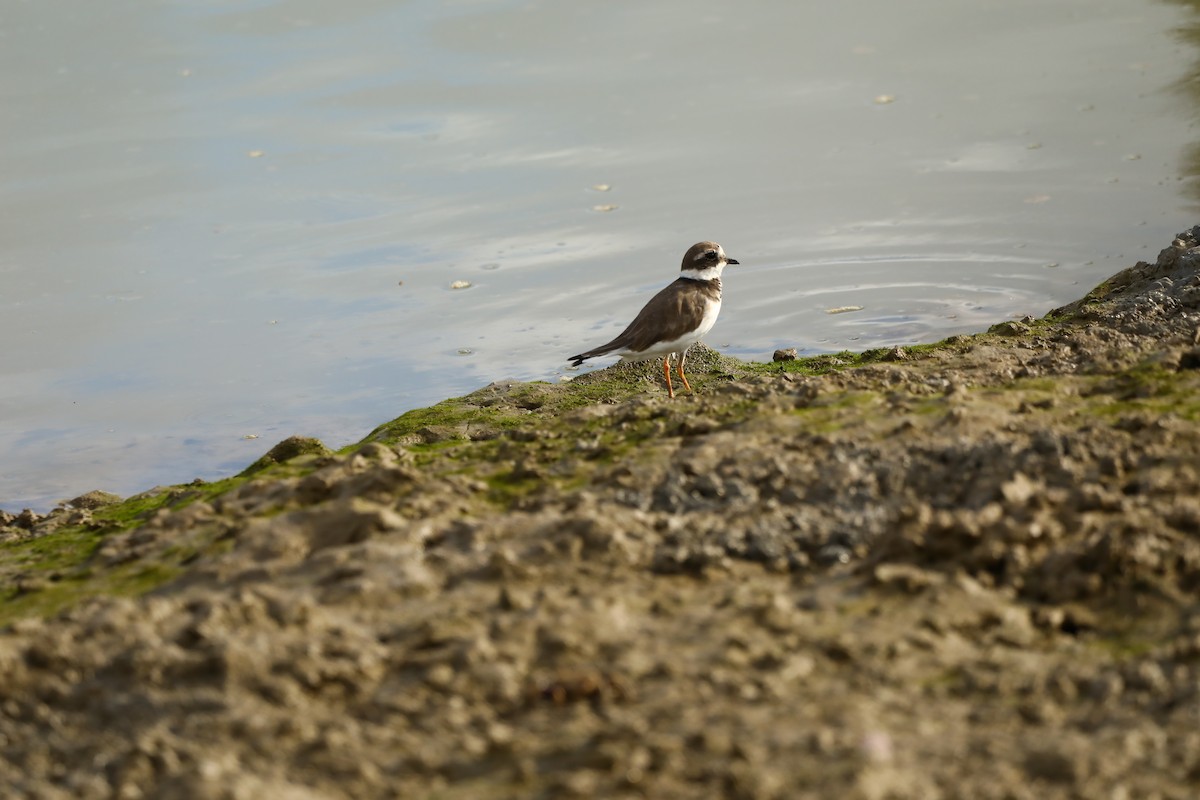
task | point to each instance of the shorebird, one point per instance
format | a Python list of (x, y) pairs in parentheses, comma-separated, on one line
[(675, 318)]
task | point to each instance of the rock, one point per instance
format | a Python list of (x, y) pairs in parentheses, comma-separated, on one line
[(1010, 328), (788, 354), (94, 499), (289, 448)]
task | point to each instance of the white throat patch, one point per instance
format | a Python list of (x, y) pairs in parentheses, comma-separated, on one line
[(706, 274)]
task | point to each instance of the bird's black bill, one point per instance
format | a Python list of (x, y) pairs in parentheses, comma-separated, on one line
[(729, 260)]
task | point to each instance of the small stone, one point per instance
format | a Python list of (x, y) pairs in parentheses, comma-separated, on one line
[(513, 598), (877, 747), (1190, 359), (460, 285), (822, 741), (26, 519), (499, 735), (440, 676), (1051, 765), (583, 783), (907, 577), (788, 354), (697, 426), (1020, 490)]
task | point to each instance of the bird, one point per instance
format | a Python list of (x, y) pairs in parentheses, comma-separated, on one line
[(675, 318)]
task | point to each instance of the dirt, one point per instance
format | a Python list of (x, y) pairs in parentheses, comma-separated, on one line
[(969, 569)]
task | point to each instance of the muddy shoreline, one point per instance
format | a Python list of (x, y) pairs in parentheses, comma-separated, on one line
[(966, 569)]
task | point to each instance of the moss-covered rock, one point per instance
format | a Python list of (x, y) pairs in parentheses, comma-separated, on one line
[(290, 448)]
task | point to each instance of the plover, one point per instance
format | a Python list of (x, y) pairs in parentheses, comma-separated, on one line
[(675, 318)]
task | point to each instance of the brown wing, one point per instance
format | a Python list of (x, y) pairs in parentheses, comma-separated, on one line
[(670, 314)]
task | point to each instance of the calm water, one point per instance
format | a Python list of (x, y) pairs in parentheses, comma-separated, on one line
[(231, 219)]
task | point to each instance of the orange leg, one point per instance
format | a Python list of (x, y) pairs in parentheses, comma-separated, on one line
[(667, 373), (683, 377)]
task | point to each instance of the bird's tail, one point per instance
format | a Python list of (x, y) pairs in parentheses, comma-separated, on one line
[(599, 351)]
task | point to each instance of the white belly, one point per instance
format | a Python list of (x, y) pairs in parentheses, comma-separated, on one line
[(680, 345)]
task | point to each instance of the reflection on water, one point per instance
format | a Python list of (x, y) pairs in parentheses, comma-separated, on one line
[(1188, 87), (226, 220)]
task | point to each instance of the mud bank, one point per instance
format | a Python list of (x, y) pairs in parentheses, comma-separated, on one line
[(967, 569)]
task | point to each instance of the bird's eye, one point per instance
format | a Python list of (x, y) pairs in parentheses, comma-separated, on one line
[(711, 255)]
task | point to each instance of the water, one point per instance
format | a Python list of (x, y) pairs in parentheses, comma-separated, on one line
[(228, 220)]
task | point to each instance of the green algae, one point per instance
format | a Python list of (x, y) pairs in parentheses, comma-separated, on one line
[(47, 573), (63, 549), (825, 363), (132, 580), (458, 419)]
